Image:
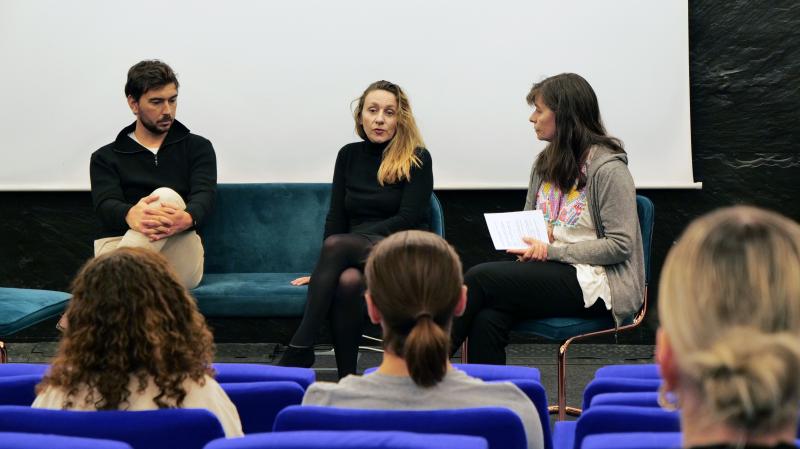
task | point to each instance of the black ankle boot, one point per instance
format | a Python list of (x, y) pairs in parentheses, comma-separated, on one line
[(297, 357)]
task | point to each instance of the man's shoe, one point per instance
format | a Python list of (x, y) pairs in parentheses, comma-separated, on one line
[(298, 357)]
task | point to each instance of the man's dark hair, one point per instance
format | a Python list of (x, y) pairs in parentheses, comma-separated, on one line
[(147, 75)]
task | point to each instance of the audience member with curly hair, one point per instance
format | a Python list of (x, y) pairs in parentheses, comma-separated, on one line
[(136, 341), (729, 343)]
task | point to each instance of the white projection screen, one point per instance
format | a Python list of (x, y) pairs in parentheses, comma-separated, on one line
[(270, 83)]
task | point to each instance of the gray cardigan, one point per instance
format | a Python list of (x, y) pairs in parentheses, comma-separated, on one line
[(618, 248)]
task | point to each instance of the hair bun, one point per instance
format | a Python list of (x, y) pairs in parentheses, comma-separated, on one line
[(746, 377)]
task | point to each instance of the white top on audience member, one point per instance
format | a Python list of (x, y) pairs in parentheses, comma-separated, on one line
[(209, 396)]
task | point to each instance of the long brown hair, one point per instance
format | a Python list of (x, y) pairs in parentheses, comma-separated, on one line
[(401, 154), (578, 127), (729, 304), (130, 317), (415, 281)]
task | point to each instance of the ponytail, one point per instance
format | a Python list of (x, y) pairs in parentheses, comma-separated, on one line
[(425, 351), (414, 279)]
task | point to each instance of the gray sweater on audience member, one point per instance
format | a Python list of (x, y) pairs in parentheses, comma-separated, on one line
[(612, 202), (456, 390)]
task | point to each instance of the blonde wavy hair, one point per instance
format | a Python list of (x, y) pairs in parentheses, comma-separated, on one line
[(729, 304), (130, 318), (401, 154)]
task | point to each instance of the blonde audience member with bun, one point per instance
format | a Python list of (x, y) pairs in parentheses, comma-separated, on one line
[(729, 343), (414, 289)]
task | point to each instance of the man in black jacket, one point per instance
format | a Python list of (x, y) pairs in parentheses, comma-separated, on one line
[(156, 182)]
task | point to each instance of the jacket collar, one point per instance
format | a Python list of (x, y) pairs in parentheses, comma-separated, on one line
[(125, 144), (602, 156)]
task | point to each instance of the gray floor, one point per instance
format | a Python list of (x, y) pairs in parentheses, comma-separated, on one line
[(583, 359)]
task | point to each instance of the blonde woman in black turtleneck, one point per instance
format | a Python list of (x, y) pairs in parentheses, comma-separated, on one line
[(380, 186)]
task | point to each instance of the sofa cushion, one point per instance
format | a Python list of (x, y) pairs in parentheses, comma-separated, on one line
[(22, 307), (250, 295)]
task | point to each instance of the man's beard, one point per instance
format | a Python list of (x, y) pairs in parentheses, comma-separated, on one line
[(153, 127)]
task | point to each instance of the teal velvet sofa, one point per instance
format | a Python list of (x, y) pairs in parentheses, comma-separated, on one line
[(259, 238), (23, 307)]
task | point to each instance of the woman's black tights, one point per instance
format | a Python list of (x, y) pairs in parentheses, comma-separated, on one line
[(336, 291)]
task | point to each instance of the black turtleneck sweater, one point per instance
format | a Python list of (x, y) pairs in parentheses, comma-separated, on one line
[(123, 172), (360, 205)]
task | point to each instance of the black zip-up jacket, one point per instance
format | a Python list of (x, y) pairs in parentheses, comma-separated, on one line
[(123, 172)]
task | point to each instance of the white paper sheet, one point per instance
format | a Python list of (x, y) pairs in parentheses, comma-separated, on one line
[(508, 228)]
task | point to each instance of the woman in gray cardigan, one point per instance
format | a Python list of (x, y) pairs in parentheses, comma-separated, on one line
[(593, 264)]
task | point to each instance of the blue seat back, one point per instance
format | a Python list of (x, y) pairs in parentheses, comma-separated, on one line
[(258, 403), (633, 440), (635, 398), (321, 439), (643, 371), (16, 440), (617, 385), (622, 418), (155, 429), (646, 212), (230, 373), (23, 369), (437, 216), (501, 427), (272, 227), (18, 390)]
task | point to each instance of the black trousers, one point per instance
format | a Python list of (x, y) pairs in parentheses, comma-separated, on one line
[(336, 293), (501, 294)]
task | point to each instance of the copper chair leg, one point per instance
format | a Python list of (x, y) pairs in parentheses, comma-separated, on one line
[(3, 353), (562, 382), (561, 408)]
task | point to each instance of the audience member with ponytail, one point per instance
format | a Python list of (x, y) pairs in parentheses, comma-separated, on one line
[(414, 289), (729, 343)]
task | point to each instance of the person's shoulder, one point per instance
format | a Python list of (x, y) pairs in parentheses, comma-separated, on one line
[(351, 147), (198, 143), (347, 151), (496, 389), (197, 138), (202, 390), (321, 393), (351, 382), (104, 152), (326, 393), (424, 160), (51, 397), (605, 157)]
